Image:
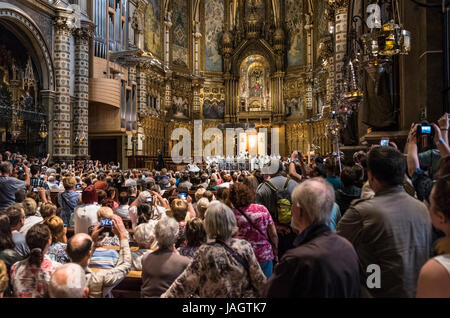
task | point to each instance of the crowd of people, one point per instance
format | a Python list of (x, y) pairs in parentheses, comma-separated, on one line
[(374, 225)]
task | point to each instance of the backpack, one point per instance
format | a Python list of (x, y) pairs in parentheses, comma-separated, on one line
[(283, 201)]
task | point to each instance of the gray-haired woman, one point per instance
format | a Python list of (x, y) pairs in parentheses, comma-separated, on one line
[(223, 268), (162, 267), (144, 235)]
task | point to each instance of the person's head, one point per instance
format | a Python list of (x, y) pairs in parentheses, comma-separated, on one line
[(179, 209), (166, 232), (440, 203), (68, 281), (195, 232), (274, 168), (144, 213), (47, 210), (204, 178), (223, 194), (348, 177), (79, 249), (163, 171), (4, 279), (101, 195), (209, 195), (16, 216), (132, 190), (312, 203), (6, 168), (89, 195), (6, 240), (29, 206), (202, 205), (104, 212), (358, 171), (56, 226), (199, 194), (241, 195), (143, 235), (123, 198), (34, 170), (386, 168), (108, 202), (220, 222), (38, 239), (69, 183), (20, 195), (251, 182)]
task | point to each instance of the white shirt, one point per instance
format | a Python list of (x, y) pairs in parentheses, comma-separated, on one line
[(122, 211), (29, 222), (85, 216)]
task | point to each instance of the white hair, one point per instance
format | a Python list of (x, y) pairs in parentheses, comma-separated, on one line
[(316, 199), (220, 221), (144, 234), (68, 281), (166, 232)]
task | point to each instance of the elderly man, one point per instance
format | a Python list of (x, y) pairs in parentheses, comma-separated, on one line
[(80, 249), (391, 231), (321, 264), (68, 281)]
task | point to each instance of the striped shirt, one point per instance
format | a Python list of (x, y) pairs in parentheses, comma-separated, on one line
[(38, 183), (103, 258)]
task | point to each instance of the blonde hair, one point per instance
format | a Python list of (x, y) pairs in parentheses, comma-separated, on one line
[(3, 277), (47, 209), (202, 206), (199, 193), (56, 226), (29, 206), (69, 182), (179, 209), (104, 213)]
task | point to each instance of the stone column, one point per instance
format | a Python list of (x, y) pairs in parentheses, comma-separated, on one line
[(196, 107), (141, 80), (167, 26), (340, 43), (62, 111), (81, 109), (197, 36)]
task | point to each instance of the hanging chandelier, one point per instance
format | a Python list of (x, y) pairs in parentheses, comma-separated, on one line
[(43, 132)]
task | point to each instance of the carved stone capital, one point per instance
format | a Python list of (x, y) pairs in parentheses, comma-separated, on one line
[(62, 24)]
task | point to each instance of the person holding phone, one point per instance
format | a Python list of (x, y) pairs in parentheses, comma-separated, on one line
[(36, 180), (9, 185)]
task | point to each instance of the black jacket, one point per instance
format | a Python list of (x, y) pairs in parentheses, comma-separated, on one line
[(346, 195), (321, 265)]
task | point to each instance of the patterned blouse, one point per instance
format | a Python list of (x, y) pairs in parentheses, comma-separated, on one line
[(214, 273), (57, 253), (32, 282), (188, 251), (261, 218)]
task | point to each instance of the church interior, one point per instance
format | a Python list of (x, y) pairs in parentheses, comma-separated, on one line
[(111, 80)]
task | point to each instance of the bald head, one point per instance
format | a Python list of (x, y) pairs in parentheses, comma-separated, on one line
[(79, 247), (315, 198), (68, 281)]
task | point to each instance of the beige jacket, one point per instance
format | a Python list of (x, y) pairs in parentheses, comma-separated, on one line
[(102, 282)]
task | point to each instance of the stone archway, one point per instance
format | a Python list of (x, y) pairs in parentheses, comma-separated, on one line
[(21, 25)]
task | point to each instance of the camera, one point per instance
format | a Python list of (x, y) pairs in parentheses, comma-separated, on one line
[(149, 199), (425, 135), (42, 176), (78, 186), (35, 190), (182, 196), (107, 224), (384, 142)]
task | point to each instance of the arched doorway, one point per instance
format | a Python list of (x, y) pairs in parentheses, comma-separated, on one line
[(26, 83)]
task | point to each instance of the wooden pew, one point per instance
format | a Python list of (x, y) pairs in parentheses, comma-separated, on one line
[(129, 287)]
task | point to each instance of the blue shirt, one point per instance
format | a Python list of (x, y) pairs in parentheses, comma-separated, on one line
[(103, 258), (335, 182)]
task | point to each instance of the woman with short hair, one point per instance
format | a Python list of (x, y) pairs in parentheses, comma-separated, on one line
[(162, 267), (144, 236), (195, 237), (57, 250), (225, 267), (30, 277)]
